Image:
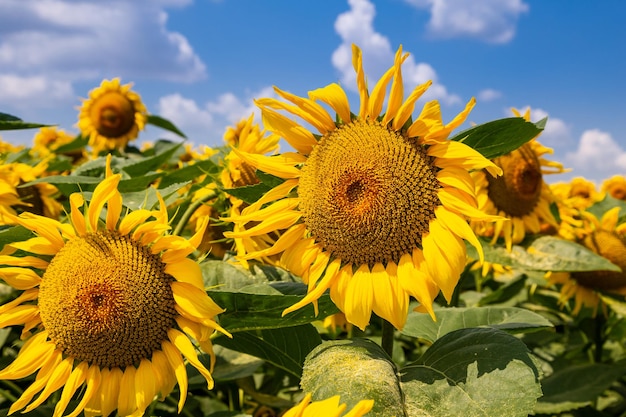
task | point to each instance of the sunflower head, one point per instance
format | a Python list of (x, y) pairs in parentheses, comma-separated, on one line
[(520, 196), (373, 206), (615, 187), (607, 238), (112, 116), (108, 302), (48, 140)]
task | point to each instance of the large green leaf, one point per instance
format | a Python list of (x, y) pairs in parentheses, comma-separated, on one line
[(11, 234), (355, 370), (547, 253), (189, 173), (284, 347), (577, 386), (510, 319), (142, 166), (499, 137), (9, 122), (164, 124), (256, 298), (601, 207), (231, 364), (475, 373)]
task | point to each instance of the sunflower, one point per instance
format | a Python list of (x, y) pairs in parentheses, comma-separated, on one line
[(246, 137), (573, 199), (109, 304), (615, 187), (329, 407), (112, 116), (520, 196), (48, 140), (607, 238), (37, 198), (375, 209)]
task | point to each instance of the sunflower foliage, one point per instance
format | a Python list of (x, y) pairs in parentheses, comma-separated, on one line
[(490, 312)]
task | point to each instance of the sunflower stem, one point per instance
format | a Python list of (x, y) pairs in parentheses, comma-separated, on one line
[(387, 337), (189, 212)]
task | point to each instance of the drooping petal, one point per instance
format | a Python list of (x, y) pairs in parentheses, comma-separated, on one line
[(336, 98)]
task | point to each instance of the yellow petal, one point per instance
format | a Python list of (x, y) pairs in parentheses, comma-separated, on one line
[(406, 109), (57, 379), (186, 270), (110, 392), (19, 315), (103, 192), (396, 94), (315, 293), (183, 344), (127, 400), (32, 356), (43, 376), (458, 225), (145, 385), (20, 278), (77, 202), (357, 63), (336, 98), (359, 298), (175, 360), (92, 381), (75, 380)]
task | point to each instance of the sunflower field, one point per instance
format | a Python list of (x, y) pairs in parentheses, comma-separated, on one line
[(331, 259)]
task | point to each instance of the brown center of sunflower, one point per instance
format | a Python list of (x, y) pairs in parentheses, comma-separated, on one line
[(618, 192), (32, 199), (613, 247), (368, 193), (106, 299), (247, 175), (518, 190), (113, 114)]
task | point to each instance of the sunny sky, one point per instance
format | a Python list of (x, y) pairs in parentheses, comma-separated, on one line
[(200, 63)]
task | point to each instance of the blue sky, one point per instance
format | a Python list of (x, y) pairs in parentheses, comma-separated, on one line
[(200, 63)]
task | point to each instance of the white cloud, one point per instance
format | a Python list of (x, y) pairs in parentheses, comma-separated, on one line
[(598, 156), (492, 21), (356, 27), (489, 94), (206, 123), (21, 91), (58, 42)]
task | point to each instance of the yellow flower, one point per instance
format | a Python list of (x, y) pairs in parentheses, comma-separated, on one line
[(615, 187), (329, 407), (38, 198), (572, 199), (608, 239), (112, 311), (247, 137), (49, 139), (375, 209), (520, 196), (6, 147), (112, 116)]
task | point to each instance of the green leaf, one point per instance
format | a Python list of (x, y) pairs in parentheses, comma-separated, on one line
[(78, 143), (285, 348), (499, 137), (148, 198), (256, 309), (12, 234), (474, 373), (145, 165), (547, 253), (163, 123), (355, 369), (68, 184), (607, 203), (505, 292), (256, 298), (576, 386), (9, 122), (511, 319), (141, 182), (232, 365), (249, 193), (189, 173)]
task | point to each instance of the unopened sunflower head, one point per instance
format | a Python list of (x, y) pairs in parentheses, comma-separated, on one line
[(108, 302), (373, 206), (521, 197), (606, 237), (112, 116)]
